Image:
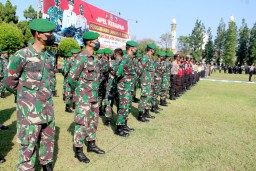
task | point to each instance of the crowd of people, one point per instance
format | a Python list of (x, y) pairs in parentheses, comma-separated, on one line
[(94, 80)]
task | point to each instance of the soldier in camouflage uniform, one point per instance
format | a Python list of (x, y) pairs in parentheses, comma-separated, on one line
[(4, 60), (84, 76), (111, 92), (28, 74), (136, 61), (147, 82), (56, 15), (53, 79), (125, 86)]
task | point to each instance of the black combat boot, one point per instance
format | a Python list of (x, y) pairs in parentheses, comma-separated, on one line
[(2, 127), (126, 128), (107, 122), (101, 113), (79, 154), (54, 93), (162, 103), (47, 167), (119, 131), (92, 147), (74, 105), (64, 97), (2, 160), (147, 115), (135, 100), (158, 108), (153, 109), (67, 109), (3, 95), (142, 118)]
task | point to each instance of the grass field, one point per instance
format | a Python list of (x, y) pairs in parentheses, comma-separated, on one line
[(211, 127)]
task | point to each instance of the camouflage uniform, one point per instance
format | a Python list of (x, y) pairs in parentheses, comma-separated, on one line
[(125, 86), (3, 66), (67, 92), (157, 81), (55, 15), (165, 81), (86, 74), (53, 78), (29, 74), (147, 83)]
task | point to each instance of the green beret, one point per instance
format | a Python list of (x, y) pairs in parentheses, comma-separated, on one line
[(124, 52), (162, 54), (108, 51), (89, 35), (42, 25), (168, 54), (131, 43), (151, 46), (75, 51), (138, 55), (100, 51), (69, 54)]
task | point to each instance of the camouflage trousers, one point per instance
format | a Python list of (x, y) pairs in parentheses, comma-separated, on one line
[(165, 84), (67, 92), (125, 102), (102, 92), (146, 96), (86, 119), (156, 91), (2, 89), (29, 136)]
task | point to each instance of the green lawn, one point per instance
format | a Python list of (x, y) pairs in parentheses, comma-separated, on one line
[(211, 127)]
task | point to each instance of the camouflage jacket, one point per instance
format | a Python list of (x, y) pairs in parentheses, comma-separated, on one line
[(66, 67), (86, 74), (29, 74), (158, 70), (147, 75), (1, 68)]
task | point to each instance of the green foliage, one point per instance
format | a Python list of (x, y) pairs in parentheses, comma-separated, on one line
[(8, 13), (209, 47), (183, 44), (23, 26), (252, 46), (142, 44), (30, 13), (243, 44), (165, 41), (197, 40), (230, 45), (220, 39), (11, 38), (66, 45)]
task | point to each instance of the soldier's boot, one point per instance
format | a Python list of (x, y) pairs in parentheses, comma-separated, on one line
[(47, 167), (162, 103), (119, 131), (142, 118), (74, 105), (147, 115), (3, 127), (92, 147), (2, 160), (67, 108), (158, 108), (107, 122), (3, 95), (101, 113), (79, 154), (126, 128), (135, 100), (153, 109), (54, 93), (64, 97)]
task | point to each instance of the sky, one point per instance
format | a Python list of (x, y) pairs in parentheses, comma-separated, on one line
[(154, 17)]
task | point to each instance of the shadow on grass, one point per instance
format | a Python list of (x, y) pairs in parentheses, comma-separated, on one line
[(134, 112), (6, 114)]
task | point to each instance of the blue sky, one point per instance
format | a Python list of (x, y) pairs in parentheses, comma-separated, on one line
[(154, 17)]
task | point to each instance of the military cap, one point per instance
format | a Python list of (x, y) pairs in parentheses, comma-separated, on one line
[(100, 51), (108, 51), (131, 43), (90, 35), (162, 54), (151, 46), (138, 55), (42, 25), (75, 51), (69, 54), (168, 54)]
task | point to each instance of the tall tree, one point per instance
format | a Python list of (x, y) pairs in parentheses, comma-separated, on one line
[(183, 44), (30, 13), (165, 41), (8, 13), (197, 40), (220, 40), (252, 46), (27, 36), (209, 47), (243, 44), (230, 44)]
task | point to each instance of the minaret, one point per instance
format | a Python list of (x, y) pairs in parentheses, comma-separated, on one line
[(173, 34), (232, 18)]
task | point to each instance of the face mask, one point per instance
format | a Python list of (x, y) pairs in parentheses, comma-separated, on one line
[(135, 52), (71, 7), (97, 46), (50, 40)]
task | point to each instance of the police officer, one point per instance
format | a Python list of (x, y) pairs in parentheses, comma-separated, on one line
[(28, 75)]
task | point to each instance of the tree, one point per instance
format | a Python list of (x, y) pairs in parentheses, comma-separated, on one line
[(230, 44), (165, 41), (66, 45), (220, 40), (243, 44), (11, 38), (183, 44), (197, 40), (252, 46), (142, 44), (30, 13), (23, 26), (209, 47), (8, 13)]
